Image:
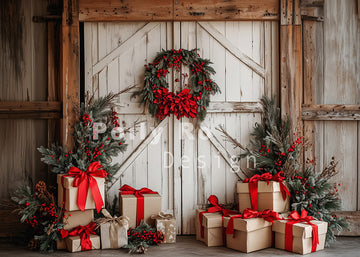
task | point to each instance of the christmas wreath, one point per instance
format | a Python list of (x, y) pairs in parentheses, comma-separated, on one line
[(193, 99)]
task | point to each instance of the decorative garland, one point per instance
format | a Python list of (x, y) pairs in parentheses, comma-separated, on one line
[(193, 100)]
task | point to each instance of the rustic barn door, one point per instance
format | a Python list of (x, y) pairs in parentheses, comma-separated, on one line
[(183, 160)]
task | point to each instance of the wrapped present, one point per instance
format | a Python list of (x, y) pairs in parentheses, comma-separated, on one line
[(139, 205), (81, 238), (264, 192), (113, 231), (81, 190), (300, 233), (60, 244), (166, 223), (209, 223), (250, 231), (74, 219)]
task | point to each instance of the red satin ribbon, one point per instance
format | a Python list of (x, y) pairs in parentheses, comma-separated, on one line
[(85, 179), (294, 218), (253, 185), (128, 190), (83, 232), (267, 215), (216, 207)]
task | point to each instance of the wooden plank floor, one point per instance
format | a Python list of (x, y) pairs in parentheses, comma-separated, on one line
[(188, 246)]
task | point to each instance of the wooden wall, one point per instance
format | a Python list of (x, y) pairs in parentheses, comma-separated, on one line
[(23, 79), (331, 35)]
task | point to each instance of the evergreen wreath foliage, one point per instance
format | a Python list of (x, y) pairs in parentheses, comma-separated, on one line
[(193, 100)]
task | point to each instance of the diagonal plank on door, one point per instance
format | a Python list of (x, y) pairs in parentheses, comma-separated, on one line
[(233, 49)]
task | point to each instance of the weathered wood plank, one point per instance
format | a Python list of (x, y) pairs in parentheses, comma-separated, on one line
[(69, 69), (232, 107), (330, 112), (353, 217), (226, 10), (125, 10), (35, 106)]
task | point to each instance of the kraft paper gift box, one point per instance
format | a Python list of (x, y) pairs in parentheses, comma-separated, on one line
[(73, 243), (128, 207), (113, 231), (166, 223), (212, 224), (60, 244), (302, 236), (68, 194), (269, 197), (249, 234), (74, 219)]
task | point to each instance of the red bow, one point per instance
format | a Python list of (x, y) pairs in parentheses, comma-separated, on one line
[(294, 218), (128, 190), (83, 232), (85, 179), (248, 213), (253, 185), (216, 207)]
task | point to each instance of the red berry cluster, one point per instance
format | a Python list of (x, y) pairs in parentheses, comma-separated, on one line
[(86, 119), (115, 119), (264, 150), (182, 104), (96, 153), (295, 144)]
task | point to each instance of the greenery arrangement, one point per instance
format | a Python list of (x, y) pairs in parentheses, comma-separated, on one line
[(38, 208), (193, 100), (91, 146)]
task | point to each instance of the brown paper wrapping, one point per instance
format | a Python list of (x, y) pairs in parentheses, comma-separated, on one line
[(73, 243), (71, 193), (60, 244), (213, 231), (302, 236), (74, 219), (250, 234), (152, 205), (113, 231), (166, 223), (269, 197)]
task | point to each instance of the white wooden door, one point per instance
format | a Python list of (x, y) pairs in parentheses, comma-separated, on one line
[(183, 160)]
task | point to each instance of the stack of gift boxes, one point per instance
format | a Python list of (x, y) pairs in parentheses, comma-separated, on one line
[(80, 193), (263, 220)]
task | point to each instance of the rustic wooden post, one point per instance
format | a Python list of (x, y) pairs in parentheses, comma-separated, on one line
[(69, 69), (291, 78)]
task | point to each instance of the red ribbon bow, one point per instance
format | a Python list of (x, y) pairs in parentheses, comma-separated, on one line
[(253, 185), (248, 213), (216, 207), (85, 179), (294, 218), (128, 190), (83, 232)]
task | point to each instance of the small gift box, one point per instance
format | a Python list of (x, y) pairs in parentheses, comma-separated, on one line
[(81, 190), (264, 192), (300, 233), (60, 244), (166, 223), (209, 223), (139, 205), (74, 219), (81, 238), (113, 231), (250, 231)]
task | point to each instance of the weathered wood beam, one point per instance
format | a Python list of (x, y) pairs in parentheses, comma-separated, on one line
[(330, 112), (30, 110), (236, 107), (178, 10), (69, 69), (226, 10), (353, 217)]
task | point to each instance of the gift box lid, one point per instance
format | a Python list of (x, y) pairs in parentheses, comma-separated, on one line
[(69, 180), (210, 220), (248, 225), (302, 229), (263, 187), (134, 197)]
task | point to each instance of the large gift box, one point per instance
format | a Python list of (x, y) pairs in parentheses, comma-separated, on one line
[(113, 231), (74, 219), (81, 238), (166, 223), (300, 234), (81, 190), (139, 205), (210, 230), (250, 231), (264, 192)]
